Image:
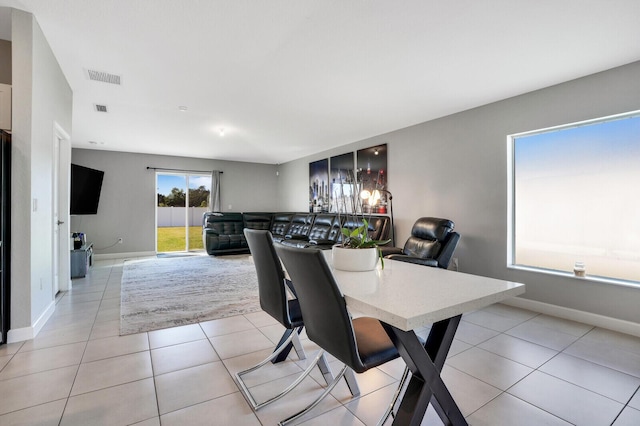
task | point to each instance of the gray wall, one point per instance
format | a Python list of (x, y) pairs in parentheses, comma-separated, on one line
[(456, 167), (41, 98), (128, 198)]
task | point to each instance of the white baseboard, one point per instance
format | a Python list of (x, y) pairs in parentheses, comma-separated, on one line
[(27, 333), (596, 320), (108, 256)]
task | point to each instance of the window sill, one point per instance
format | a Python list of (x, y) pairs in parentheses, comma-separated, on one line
[(590, 278)]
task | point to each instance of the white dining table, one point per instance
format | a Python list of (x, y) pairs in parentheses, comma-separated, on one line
[(406, 297)]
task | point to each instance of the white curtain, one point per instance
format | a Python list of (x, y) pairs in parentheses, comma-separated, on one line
[(215, 191)]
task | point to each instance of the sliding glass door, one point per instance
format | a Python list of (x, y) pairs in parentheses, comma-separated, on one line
[(198, 202), (182, 198)]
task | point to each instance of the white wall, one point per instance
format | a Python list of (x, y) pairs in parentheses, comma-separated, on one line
[(52, 103), (41, 98), (456, 167), (127, 202)]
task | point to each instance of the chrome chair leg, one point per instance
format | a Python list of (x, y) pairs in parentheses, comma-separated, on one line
[(345, 372), (352, 383), (319, 360), (295, 344), (317, 401), (298, 346), (323, 365), (273, 355)]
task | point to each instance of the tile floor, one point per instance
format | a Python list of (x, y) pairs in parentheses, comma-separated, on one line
[(507, 366)]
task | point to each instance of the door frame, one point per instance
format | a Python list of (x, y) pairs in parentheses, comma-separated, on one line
[(61, 188), (187, 175)]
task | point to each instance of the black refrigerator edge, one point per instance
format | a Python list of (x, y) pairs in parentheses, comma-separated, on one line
[(5, 233)]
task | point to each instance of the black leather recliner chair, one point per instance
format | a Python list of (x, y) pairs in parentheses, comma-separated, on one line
[(432, 243)]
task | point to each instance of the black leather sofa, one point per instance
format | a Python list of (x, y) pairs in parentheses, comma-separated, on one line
[(222, 233)]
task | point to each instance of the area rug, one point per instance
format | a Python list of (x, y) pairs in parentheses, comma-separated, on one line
[(168, 292)]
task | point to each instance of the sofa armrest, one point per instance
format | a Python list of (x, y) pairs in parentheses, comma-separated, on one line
[(447, 250), (295, 237), (414, 260), (388, 251), (321, 242), (295, 243)]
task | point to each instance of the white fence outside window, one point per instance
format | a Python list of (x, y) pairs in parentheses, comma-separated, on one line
[(175, 216)]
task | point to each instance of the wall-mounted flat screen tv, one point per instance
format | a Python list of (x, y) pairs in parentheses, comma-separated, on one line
[(86, 185)]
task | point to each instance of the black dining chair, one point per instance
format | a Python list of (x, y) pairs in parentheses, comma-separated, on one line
[(360, 343), (272, 289)]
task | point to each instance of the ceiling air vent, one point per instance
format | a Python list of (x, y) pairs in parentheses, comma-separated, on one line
[(104, 77), (101, 108)]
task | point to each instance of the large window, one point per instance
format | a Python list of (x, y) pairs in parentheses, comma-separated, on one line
[(574, 195)]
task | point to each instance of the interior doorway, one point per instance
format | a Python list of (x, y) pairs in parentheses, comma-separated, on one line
[(181, 200), (60, 187)]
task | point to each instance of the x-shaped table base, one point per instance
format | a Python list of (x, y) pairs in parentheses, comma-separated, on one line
[(425, 363)]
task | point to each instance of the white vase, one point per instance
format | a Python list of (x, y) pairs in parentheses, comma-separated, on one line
[(354, 260)]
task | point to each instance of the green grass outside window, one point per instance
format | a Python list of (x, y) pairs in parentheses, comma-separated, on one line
[(173, 238)]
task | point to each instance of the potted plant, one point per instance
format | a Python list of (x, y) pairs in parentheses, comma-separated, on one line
[(357, 251)]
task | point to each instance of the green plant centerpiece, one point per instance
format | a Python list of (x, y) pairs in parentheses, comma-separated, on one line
[(358, 238), (357, 251)]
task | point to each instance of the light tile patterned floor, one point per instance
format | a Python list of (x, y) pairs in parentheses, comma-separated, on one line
[(507, 366)]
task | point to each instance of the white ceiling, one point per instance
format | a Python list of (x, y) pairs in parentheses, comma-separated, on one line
[(285, 79)]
